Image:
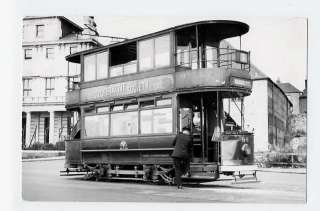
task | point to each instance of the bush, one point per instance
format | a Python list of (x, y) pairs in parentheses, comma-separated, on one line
[(48, 147), (279, 159), (40, 146), (60, 145), (35, 146)]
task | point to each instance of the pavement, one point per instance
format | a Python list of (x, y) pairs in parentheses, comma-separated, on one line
[(34, 154), (285, 170), (44, 159), (41, 182)]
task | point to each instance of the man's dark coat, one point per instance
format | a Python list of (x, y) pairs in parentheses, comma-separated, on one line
[(183, 146)]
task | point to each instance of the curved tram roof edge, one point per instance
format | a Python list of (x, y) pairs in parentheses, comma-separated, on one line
[(238, 29)]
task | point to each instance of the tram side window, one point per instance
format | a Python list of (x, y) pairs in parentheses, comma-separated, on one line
[(154, 53), (103, 109), (102, 65), (146, 52), (117, 108), (162, 51), (89, 68), (147, 104), (96, 66), (163, 102), (96, 125), (131, 106), (156, 121), (124, 123)]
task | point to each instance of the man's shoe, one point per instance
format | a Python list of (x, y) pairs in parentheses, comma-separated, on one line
[(179, 186)]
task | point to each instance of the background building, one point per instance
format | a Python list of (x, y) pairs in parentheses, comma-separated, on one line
[(46, 42), (293, 94), (303, 99)]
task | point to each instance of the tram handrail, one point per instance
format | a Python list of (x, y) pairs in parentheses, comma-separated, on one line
[(221, 57), (74, 129)]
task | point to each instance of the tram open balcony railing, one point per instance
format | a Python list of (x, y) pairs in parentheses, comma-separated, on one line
[(213, 57)]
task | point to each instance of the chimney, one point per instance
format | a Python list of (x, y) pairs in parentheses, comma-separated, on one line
[(90, 26), (278, 80)]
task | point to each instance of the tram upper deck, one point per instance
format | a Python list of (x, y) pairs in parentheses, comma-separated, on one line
[(184, 58)]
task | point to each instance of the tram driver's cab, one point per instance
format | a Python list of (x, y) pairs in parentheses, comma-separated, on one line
[(217, 137)]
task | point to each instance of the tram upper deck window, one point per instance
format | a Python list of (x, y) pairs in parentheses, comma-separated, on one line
[(102, 65), (123, 59), (89, 68), (96, 66), (162, 51), (154, 53)]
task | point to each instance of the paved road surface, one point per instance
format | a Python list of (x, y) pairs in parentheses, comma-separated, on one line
[(41, 182)]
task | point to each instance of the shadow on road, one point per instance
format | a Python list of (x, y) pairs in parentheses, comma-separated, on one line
[(188, 185)]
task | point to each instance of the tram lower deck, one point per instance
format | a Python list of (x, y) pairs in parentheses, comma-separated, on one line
[(217, 149)]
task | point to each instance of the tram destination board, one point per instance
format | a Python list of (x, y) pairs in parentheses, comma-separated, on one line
[(128, 88)]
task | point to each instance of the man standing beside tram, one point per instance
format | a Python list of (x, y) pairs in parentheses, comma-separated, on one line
[(182, 154)]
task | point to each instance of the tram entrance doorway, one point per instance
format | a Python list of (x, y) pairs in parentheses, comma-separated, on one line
[(203, 114)]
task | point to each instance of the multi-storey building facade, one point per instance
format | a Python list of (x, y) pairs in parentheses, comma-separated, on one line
[(47, 75)]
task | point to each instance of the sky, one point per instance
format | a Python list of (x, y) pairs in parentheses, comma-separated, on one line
[(278, 46)]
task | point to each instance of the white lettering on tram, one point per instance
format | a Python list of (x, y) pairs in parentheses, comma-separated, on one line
[(142, 86)]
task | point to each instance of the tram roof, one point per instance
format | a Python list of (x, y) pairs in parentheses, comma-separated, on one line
[(221, 29)]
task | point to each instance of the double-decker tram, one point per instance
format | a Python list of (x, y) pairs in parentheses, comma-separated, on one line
[(135, 96)]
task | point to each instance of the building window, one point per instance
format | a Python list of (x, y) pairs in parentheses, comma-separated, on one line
[(96, 125), (23, 32), (49, 53), (73, 49), (49, 86), (26, 87), (27, 53), (73, 82), (39, 31), (124, 123)]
